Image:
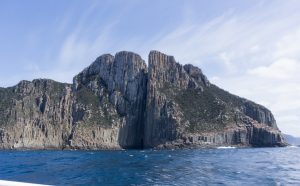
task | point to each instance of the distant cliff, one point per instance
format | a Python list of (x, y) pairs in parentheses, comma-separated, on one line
[(119, 102), (292, 139)]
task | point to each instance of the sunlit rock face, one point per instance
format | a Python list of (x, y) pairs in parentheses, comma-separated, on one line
[(118, 102), (110, 96)]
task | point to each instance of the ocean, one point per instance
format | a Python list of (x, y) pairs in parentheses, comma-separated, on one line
[(224, 166)]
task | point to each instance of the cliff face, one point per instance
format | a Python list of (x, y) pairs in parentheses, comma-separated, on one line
[(119, 102), (109, 102), (35, 115)]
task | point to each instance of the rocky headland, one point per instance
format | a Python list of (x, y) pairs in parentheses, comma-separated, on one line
[(119, 102)]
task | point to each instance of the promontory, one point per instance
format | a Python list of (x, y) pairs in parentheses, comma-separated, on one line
[(120, 102)]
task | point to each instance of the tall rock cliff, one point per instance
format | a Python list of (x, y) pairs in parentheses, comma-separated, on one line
[(109, 101), (119, 102), (185, 109)]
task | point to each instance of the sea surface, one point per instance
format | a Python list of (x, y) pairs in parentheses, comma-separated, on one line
[(225, 166)]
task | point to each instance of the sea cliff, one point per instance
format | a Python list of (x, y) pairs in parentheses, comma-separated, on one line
[(120, 102)]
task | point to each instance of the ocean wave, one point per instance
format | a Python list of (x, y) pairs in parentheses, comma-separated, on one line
[(226, 147), (292, 146)]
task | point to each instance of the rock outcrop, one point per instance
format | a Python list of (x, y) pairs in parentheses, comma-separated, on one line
[(118, 102)]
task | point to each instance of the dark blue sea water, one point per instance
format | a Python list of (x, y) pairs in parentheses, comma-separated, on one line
[(250, 166)]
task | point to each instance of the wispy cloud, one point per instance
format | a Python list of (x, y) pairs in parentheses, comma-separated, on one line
[(283, 68), (252, 50), (78, 49), (254, 54)]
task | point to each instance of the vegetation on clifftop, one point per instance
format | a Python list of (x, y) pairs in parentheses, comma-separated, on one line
[(204, 109)]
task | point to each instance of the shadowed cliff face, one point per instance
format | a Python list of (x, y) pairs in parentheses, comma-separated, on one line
[(119, 102)]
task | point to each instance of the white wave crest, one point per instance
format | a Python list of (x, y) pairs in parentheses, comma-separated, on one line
[(226, 147)]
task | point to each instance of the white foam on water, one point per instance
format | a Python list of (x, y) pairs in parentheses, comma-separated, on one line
[(149, 179), (292, 146), (226, 147)]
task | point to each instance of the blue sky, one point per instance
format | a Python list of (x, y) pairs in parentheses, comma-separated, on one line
[(249, 47)]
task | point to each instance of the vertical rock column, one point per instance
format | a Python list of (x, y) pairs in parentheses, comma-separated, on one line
[(162, 116)]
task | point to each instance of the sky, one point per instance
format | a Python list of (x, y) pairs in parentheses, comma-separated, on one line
[(250, 48)]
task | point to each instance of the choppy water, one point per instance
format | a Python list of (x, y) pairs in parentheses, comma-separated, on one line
[(260, 166)]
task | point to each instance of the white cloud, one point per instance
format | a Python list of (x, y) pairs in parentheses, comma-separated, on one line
[(226, 58), (289, 45), (255, 48), (77, 49), (283, 68)]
